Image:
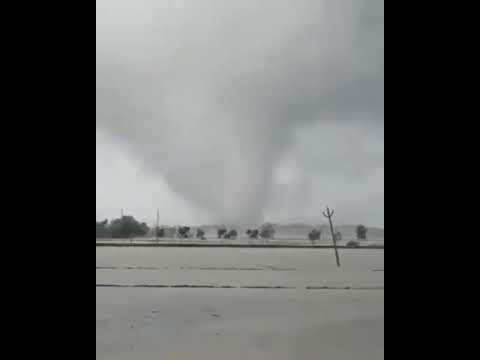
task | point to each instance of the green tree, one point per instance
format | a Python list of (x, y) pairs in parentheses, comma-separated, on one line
[(127, 227), (102, 229), (160, 232), (200, 234), (314, 235), (338, 235), (221, 232), (267, 231), (361, 232), (183, 232), (232, 234)]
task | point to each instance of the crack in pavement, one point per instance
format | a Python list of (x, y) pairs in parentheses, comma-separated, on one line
[(265, 268), (269, 287)]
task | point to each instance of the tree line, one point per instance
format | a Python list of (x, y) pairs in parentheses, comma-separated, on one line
[(124, 227), (128, 227)]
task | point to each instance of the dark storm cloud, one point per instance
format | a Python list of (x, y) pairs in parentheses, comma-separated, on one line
[(210, 94)]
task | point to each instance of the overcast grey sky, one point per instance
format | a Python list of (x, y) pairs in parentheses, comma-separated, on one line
[(240, 111)]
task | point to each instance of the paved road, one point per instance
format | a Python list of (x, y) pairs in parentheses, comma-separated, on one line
[(168, 303)]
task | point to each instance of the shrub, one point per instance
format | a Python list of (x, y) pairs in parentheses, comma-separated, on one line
[(232, 234), (352, 244)]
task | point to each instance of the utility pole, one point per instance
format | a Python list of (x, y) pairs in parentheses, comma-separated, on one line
[(328, 214), (156, 229)]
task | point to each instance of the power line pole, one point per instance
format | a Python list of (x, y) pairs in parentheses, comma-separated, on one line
[(156, 229), (328, 214)]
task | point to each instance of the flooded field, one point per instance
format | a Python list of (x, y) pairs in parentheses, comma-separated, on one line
[(227, 303)]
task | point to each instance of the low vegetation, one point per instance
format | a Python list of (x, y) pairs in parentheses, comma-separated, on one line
[(124, 227)]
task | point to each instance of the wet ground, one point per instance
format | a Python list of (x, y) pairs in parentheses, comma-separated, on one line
[(221, 303)]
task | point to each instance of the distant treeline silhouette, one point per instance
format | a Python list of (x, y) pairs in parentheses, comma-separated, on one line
[(124, 227), (128, 227)]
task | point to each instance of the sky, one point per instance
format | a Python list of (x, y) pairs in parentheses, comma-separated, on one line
[(240, 112)]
